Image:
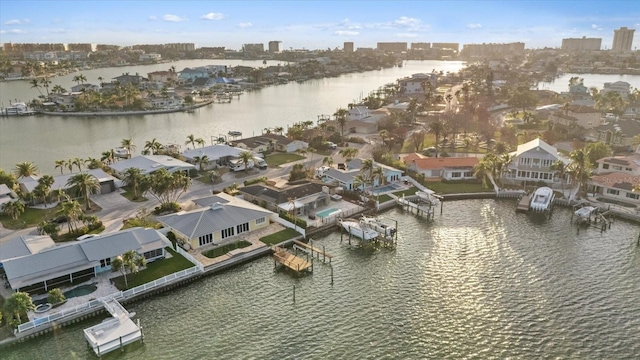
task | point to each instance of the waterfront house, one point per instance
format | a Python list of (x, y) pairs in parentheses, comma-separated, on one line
[(361, 127), (266, 142), (358, 112), (107, 182), (6, 195), (36, 264), (308, 195), (150, 163), (616, 133), (84, 87), (616, 177), (584, 116), (416, 83), (189, 74), (218, 154), (345, 177), (532, 163), (447, 168), (126, 79), (161, 102), (621, 87), (151, 57), (224, 218), (162, 76)]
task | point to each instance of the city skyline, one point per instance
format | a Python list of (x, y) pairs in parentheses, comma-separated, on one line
[(314, 25)]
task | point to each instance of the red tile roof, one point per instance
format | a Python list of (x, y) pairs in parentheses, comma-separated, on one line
[(409, 158), (439, 163), (617, 180)]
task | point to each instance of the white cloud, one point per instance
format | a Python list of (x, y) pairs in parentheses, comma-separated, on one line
[(245, 25), (596, 27), (474, 26), (58, 31), (173, 18), (12, 31), (346, 33), (407, 35), (17, 22), (153, 18), (212, 16), (407, 21)]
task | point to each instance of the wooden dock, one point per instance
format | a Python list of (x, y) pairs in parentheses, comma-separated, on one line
[(523, 203), (309, 247), (290, 260)]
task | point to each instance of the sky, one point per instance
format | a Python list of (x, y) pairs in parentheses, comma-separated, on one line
[(304, 24)]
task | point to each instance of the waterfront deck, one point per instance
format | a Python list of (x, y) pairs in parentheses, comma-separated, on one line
[(304, 246), (523, 203), (290, 260), (113, 333)]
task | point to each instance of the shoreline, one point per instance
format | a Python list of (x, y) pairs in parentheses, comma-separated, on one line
[(126, 113)]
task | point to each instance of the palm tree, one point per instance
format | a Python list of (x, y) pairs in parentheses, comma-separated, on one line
[(191, 139), (84, 184), (57, 89), (360, 181), (367, 168), (78, 162), (13, 209), (278, 130), (201, 160), (107, 157), (561, 169), (436, 127), (16, 305), (128, 145), (44, 185), (130, 262), (69, 164), (348, 153), (79, 79), (133, 177), (45, 84), (152, 146), (200, 141), (72, 211), (60, 164), (341, 118), (36, 84), (580, 168), (485, 170), (246, 156), (25, 169), (378, 174)]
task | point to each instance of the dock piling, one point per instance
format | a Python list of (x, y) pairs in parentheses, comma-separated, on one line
[(294, 293)]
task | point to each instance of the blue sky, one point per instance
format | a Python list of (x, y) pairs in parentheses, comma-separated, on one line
[(314, 24)]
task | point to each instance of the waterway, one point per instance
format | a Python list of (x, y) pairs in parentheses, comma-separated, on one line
[(44, 139), (561, 84), (478, 282)]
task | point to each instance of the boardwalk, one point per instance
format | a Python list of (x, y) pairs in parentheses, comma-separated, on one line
[(523, 203), (313, 249)]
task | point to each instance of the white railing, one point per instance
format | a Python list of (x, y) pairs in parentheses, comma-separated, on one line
[(188, 256), (120, 295)]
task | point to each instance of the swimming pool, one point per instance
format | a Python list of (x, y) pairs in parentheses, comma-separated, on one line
[(81, 290), (327, 212), (384, 189)]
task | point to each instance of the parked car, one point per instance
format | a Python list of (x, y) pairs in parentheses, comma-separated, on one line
[(58, 219), (332, 145), (260, 163)]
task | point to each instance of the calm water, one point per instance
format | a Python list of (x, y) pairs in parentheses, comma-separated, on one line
[(561, 84), (45, 139), (479, 282)]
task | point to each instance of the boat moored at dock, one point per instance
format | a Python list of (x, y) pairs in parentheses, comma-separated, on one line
[(358, 229), (542, 199)]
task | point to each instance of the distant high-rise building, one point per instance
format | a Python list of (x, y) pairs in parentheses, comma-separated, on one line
[(452, 46), (392, 46), (581, 44), (492, 50), (348, 47), (181, 46), (253, 48), (420, 46), (79, 47), (622, 39), (274, 46)]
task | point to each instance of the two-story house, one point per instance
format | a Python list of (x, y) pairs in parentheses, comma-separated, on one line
[(616, 133), (532, 163), (616, 177)]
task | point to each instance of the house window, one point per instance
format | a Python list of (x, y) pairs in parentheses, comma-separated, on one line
[(605, 166), (242, 228), (627, 169), (633, 196), (228, 232), (456, 174), (205, 239), (617, 168), (613, 191), (105, 262), (153, 254), (260, 221), (468, 174)]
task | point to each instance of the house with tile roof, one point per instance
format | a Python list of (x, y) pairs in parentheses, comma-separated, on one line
[(616, 177), (36, 264), (217, 222), (448, 168)]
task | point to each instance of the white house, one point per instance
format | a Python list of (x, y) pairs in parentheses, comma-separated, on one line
[(621, 87), (415, 84), (225, 217), (150, 163), (449, 168), (218, 154), (107, 182), (532, 163), (150, 57), (37, 264)]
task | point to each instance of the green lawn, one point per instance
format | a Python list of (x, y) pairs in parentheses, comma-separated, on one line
[(221, 250), (30, 217), (129, 195), (453, 188), (408, 192), (275, 160), (155, 270), (280, 236)]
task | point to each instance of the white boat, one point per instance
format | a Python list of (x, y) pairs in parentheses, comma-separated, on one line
[(542, 199), (378, 225), (429, 198), (235, 133), (357, 229), (585, 212), (18, 108), (121, 152)]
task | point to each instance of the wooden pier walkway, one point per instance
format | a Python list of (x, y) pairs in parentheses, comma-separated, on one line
[(313, 249), (290, 260), (523, 203)]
